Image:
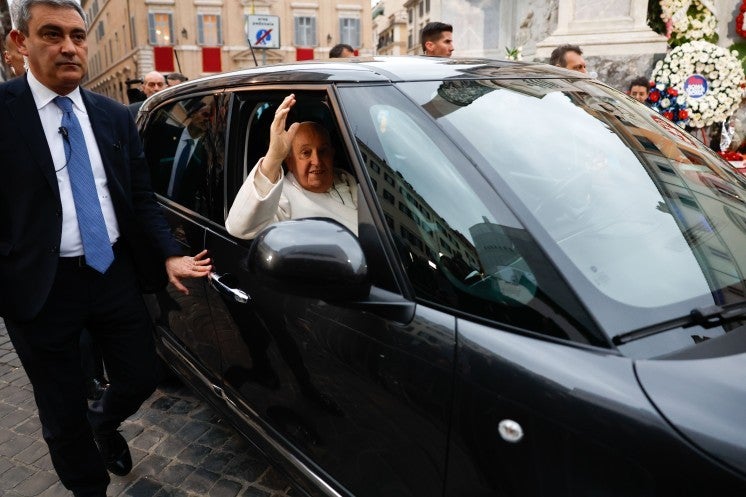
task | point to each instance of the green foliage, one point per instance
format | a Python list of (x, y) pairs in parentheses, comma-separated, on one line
[(740, 47), (654, 17)]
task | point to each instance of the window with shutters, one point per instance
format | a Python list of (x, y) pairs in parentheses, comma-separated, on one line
[(209, 29), (160, 28), (305, 31), (349, 31)]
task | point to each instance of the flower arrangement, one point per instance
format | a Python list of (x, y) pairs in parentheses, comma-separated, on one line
[(741, 20), (515, 53), (689, 20), (731, 156), (708, 76), (666, 101)]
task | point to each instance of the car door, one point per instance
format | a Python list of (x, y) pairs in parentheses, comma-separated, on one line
[(360, 395), (189, 198), (463, 252)]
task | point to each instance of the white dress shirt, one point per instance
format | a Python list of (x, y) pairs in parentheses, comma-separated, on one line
[(71, 244)]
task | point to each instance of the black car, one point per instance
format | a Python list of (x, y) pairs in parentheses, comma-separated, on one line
[(545, 295)]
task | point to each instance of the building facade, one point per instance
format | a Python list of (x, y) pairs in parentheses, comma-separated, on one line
[(617, 42), (391, 28), (129, 38)]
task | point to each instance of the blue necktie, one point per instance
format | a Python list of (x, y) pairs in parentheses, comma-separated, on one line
[(181, 167), (96, 245)]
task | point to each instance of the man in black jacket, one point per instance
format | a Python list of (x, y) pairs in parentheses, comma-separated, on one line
[(80, 236)]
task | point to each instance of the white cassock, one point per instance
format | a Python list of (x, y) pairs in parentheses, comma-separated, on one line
[(260, 202)]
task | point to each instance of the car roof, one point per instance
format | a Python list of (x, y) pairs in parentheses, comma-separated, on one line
[(379, 69)]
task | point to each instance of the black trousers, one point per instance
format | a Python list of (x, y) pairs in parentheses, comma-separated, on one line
[(111, 308)]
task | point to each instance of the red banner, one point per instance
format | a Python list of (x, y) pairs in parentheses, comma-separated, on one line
[(211, 59), (304, 53), (164, 59)]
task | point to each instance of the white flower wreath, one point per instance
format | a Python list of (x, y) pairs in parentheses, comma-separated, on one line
[(708, 76), (689, 20)]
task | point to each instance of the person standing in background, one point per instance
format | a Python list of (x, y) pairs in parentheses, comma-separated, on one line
[(639, 88), (341, 50), (569, 57), (174, 78), (437, 39), (13, 58), (152, 83)]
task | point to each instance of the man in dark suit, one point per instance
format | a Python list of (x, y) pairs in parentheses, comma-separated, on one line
[(80, 236)]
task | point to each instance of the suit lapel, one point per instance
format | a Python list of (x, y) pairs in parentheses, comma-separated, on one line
[(22, 109), (103, 130), (109, 146)]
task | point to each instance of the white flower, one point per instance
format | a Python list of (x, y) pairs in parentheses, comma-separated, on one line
[(721, 67), (665, 103)]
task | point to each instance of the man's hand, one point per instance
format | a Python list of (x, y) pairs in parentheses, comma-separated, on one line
[(280, 140), (179, 267)]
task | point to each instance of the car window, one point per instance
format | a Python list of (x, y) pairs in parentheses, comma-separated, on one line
[(633, 211), (457, 250), (184, 143), (254, 112)]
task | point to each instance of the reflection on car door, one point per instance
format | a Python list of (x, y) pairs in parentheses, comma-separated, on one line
[(183, 322), (363, 398)]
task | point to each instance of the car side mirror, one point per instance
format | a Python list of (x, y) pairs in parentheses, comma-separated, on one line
[(315, 258)]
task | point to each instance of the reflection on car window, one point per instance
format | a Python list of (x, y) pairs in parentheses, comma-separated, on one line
[(456, 251), (633, 202), (184, 145)]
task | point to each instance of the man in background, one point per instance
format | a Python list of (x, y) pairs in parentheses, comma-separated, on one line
[(13, 58), (639, 89), (437, 39), (174, 78), (341, 50), (152, 83), (569, 57)]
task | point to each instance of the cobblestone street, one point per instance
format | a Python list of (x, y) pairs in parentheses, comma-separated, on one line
[(180, 447)]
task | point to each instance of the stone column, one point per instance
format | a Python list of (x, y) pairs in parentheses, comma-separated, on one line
[(603, 27)]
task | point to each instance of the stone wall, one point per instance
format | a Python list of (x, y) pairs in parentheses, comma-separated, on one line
[(536, 20)]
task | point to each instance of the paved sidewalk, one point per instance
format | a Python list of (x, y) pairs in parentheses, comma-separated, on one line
[(180, 447)]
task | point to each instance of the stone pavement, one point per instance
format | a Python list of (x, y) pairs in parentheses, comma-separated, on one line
[(180, 447)]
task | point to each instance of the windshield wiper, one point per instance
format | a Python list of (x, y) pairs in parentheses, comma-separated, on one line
[(706, 317)]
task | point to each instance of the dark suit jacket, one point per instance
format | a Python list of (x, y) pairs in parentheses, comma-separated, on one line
[(134, 108), (30, 207)]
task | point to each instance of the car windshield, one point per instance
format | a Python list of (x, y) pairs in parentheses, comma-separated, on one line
[(642, 213)]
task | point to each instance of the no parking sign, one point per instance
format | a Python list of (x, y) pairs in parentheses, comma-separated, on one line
[(263, 31)]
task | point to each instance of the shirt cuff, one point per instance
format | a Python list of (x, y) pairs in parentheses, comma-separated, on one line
[(262, 184)]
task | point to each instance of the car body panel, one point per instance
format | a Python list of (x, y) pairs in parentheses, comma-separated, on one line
[(717, 421), (583, 407)]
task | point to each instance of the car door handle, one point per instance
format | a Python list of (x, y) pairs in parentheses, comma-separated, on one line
[(234, 293)]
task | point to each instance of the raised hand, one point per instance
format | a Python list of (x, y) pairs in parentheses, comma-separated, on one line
[(280, 140)]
